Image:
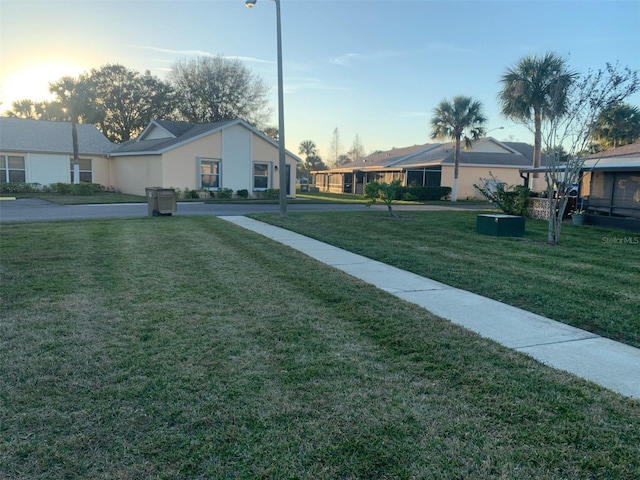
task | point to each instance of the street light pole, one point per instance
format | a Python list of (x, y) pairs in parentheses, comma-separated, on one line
[(497, 128), (282, 166)]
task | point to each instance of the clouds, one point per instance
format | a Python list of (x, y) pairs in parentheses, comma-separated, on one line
[(296, 84), (199, 53), (349, 59)]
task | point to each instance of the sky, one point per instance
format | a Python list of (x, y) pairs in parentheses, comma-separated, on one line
[(372, 68)]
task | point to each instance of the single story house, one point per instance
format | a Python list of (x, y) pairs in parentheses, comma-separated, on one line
[(431, 165), (231, 154), (36, 151), (613, 179), (609, 187)]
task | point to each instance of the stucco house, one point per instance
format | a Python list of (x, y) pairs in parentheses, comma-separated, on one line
[(212, 156), (431, 165), (231, 154), (36, 151)]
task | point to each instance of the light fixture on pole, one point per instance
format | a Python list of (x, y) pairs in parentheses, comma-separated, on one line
[(282, 171), (497, 128)]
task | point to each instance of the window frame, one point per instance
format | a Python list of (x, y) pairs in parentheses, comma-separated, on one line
[(218, 174), (266, 176), (82, 171), (6, 169)]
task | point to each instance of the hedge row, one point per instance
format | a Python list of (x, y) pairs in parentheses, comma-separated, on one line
[(411, 194), (82, 188)]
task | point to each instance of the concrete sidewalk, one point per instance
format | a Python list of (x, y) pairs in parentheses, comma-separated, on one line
[(613, 365)]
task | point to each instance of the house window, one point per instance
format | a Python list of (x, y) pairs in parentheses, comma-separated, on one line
[(86, 173), (260, 176), (209, 173), (426, 177), (12, 169)]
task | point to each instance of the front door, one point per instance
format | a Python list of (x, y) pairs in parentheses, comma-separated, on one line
[(288, 171)]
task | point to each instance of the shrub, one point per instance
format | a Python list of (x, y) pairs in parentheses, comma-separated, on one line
[(409, 197), (244, 193), (428, 193), (386, 192), (273, 193), (19, 187), (510, 199), (61, 188), (225, 193)]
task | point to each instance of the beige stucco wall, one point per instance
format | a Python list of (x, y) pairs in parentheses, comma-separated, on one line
[(102, 172), (180, 165), (468, 175), (265, 151), (134, 173)]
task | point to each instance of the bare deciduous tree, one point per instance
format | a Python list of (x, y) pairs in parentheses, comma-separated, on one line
[(213, 89), (570, 133)]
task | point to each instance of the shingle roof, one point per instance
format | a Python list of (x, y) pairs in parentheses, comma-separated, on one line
[(182, 131), (41, 136), (632, 150), (442, 153)]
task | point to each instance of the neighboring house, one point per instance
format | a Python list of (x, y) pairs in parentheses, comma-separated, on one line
[(609, 187), (37, 151), (611, 182), (212, 156), (432, 165)]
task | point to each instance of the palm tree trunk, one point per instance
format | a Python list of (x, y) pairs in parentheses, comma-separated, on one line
[(76, 160), (537, 146), (456, 158)]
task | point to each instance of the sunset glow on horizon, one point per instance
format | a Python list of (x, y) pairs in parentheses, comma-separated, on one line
[(33, 81)]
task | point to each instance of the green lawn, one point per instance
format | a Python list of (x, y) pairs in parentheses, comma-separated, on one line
[(186, 347), (96, 198), (591, 280)]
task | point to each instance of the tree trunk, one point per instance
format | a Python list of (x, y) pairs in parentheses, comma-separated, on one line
[(537, 147), (76, 160), (456, 158)]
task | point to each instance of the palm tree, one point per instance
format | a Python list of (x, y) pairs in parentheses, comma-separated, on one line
[(457, 120), (66, 91), (616, 126), (308, 148), (536, 87), (25, 108), (75, 100)]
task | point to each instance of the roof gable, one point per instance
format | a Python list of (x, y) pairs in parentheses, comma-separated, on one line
[(162, 135), (154, 131)]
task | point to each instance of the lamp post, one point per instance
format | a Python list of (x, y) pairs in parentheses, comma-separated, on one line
[(282, 169), (497, 128)]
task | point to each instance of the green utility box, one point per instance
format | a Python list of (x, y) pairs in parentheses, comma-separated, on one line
[(160, 201), (500, 225)]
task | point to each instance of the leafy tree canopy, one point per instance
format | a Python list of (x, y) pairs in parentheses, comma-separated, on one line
[(212, 89), (616, 126), (128, 100)]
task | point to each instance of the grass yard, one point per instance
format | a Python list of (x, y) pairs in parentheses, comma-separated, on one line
[(591, 280), (186, 347), (96, 198)]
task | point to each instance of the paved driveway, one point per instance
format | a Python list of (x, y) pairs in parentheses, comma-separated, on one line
[(35, 210)]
